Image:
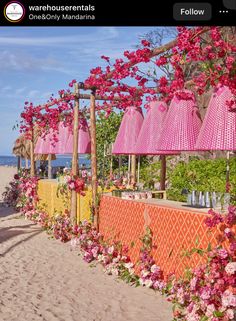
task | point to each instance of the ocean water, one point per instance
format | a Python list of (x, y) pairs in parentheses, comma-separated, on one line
[(60, 161)]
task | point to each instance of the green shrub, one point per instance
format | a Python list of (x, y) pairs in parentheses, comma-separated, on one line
[(201, 175), (150, 174)]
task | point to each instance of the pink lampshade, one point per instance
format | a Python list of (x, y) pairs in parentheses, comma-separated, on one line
[(151, 129), (218, 130), (49, 146), (182, 124), (45, 145), (128, 131), (62, 137), (84, 141)]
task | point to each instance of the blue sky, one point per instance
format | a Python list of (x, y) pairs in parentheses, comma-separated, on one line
[(36, 62)]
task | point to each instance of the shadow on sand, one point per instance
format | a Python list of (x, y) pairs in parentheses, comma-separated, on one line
[(7, 233), (6, 211), (33, 234)]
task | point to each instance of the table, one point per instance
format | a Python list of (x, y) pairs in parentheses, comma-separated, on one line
[(163, 193)]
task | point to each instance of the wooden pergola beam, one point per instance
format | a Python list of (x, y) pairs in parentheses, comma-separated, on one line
[(80, 96)]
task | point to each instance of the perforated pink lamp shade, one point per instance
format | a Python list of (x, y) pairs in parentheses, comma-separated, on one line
[(151, 129), (49, 145), (218, 130), (182, 124), (128, 132), (46, 145), (84, 141)]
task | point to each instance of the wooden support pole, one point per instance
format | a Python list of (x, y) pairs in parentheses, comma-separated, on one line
[(227, 187), (133, 169), (163, 173), (49, 166), (111, 167), (75, 153), (18, 163), (32, 161), (26, 163), (120, 165), (129, 166), (94, 158), (138, 169)]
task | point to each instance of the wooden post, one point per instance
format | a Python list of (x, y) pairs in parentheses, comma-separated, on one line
[(133, 169), (129, 165), (75, 153), (94, 158), (18, 163), (49, 166), (163, 173), (120, 165), (26, 163), (32, 161), (138, 169), (111, 167), (227, 187)]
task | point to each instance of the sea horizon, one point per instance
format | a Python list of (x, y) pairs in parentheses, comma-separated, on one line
[(62, 160)]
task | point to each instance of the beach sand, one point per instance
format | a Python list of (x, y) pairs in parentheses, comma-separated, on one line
[(42, 280), (6, 175)]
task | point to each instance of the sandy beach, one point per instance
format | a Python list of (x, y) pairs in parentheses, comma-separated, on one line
[(42, 280), (6, 175)]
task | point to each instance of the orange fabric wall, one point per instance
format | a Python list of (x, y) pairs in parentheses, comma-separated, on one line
[(174, 230)]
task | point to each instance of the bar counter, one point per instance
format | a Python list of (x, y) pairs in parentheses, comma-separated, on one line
[(176, 228)]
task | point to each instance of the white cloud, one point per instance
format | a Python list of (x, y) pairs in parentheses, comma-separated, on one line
[(33, 94), (20, 90), (100, 34), (5, 89), (112, 31), (27, 62)]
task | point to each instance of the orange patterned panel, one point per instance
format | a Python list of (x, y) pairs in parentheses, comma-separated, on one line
[(174, 230)]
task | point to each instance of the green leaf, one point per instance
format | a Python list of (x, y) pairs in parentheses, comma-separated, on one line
[(170, 253), (218, 314), (132, 244), (197, 240), (209, 248)]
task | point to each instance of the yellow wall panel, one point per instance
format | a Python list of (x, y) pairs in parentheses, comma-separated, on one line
[(53, 204)]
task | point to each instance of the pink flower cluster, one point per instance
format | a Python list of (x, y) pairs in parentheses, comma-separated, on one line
[(209, 50), (61, 227), (22, 192), (113, 256), (75, 184), (209, 291), (151, 274), (38, 216), (12, 193)]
